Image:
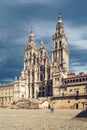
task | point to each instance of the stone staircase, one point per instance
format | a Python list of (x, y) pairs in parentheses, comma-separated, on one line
[(26, 104)]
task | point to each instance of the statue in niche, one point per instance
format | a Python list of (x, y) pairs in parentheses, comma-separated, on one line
[(64, 64)]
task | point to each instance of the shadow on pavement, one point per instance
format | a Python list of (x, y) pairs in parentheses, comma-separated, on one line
[(82, 114)]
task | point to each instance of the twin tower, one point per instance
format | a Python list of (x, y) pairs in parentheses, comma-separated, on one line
[(41, 76)]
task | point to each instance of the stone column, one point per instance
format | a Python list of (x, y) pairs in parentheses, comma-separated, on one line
[(30, 91), (35, 90)]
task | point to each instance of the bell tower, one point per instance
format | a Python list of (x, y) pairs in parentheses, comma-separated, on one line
[(60, 56)]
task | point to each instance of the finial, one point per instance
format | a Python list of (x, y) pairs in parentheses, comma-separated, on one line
[(31, 37), (31, 32), (59, 18)]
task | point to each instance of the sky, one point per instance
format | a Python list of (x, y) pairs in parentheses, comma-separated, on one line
[(19, 16)]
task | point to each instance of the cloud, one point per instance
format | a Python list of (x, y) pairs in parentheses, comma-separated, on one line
[(42, 28), (34, 1), (10, 2), (79, 44), (77, 68), (8, 80), (78, 60), (76, 36), (3, 58)]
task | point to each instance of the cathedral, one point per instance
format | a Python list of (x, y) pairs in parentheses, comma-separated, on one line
[(45, 78), (42, 75)]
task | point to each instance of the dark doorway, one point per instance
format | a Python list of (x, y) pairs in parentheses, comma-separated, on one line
[(77, 106), (77, 92)]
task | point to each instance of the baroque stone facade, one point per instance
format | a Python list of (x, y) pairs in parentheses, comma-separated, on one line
[(41, 76)]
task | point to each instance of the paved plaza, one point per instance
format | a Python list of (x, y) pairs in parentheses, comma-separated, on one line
[(61, 119)]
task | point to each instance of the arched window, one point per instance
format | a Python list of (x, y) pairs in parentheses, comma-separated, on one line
[(65, 82), (76, 80), (80, 80), (70, 81), (30, 54), (43, 88), (83, 79), (56, 45), (37, 60), (41, 52), (33, 76), (41, 77), (60, 44), (34, 61), (41, 68), (73, 80), (27, 54), (34, 58)]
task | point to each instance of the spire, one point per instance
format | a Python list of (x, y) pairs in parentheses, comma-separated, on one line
[(31, 37), (60, 26), (31, 41), (60, 22)]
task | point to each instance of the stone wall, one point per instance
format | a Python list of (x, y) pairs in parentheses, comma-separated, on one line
[(68, 103)]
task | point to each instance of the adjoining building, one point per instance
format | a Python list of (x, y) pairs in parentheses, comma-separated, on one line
[(6, 95), (45, 79), (72, 92)]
